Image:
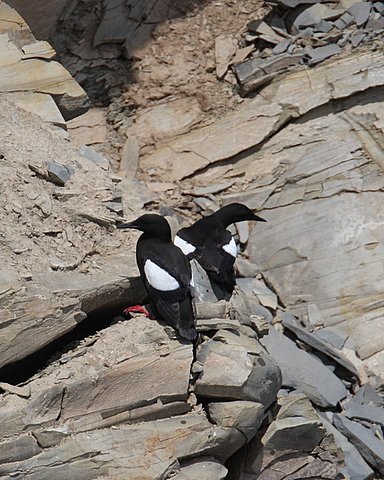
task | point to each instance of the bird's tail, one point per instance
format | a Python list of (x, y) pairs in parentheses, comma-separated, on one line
[(189, 333), (186, 325)]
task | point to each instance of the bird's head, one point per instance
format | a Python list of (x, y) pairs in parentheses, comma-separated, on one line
[(236, 212), (153, 226)]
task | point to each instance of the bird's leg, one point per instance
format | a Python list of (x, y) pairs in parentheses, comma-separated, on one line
[(139, 309)]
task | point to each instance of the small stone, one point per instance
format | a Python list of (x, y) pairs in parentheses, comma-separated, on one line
[(259, 324), (242, 231), (24, 392), (369, 446), (297, 429), (264, 30), (323, 26), (245, 268), (319, 54), (366, 395), (225, 49), (208, 310), (95, 157), (243, 415), (253, 286), (360, 12), (202, 191), (357, 38), (280, 62), (379, 7), (18, 449), (375, 22), (214, 324), (130, 157), (314, 14), (314, 315), (282, 46), (347, 18), (59, 174), (332, 335)]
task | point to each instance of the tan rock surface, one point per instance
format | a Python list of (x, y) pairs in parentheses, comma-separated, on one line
[(27, 66)]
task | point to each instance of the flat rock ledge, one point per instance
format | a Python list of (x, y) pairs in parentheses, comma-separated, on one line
[(131, 402)]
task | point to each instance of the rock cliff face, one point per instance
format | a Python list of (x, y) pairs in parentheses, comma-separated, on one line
[(284, 379)]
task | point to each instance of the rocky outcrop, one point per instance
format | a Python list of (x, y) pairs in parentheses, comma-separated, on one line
[(256, 396), (30, 75)]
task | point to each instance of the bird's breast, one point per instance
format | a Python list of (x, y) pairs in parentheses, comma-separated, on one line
[(159, 278)]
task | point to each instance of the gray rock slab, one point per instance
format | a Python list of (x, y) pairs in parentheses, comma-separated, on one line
[(265, 378), (356, 468), (226, 370), (320, 345), (209, 324), (323, 26), (292, 430), (261, 311), (365, 395), (245, 268), (237, 367), (367, 412), (294, 3), (19, 449), (319, 54), (314, 14), (280, 62), (369, 446), (302, 372), (332, 336), (346, 18), (379, 7), (375, 22), (96, 157), (211, 189), (203, 291), (204, 469), (360, 12), (239, 308), (254, 287), (357, 38), (188, 154), (130, 157), (242, 415), (282, 46), (101, 452), (208, 310), (248, 70), (129, 361)]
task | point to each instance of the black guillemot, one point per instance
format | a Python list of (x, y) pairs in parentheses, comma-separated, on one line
[(212, 245), (166, 274)]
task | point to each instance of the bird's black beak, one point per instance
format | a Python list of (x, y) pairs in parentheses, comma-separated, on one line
[(258, 219), (129, 225)]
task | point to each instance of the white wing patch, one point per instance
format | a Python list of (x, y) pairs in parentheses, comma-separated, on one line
[(159, 278), (184, 246), (231, 248)]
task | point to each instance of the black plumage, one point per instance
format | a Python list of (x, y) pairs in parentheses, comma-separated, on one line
[(212, 245), (166, 274)]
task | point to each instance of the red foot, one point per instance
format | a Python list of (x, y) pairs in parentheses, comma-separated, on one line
[(139, 309)]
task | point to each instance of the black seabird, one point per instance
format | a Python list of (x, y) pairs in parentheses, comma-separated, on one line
[(166, 274), (212, 245)]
